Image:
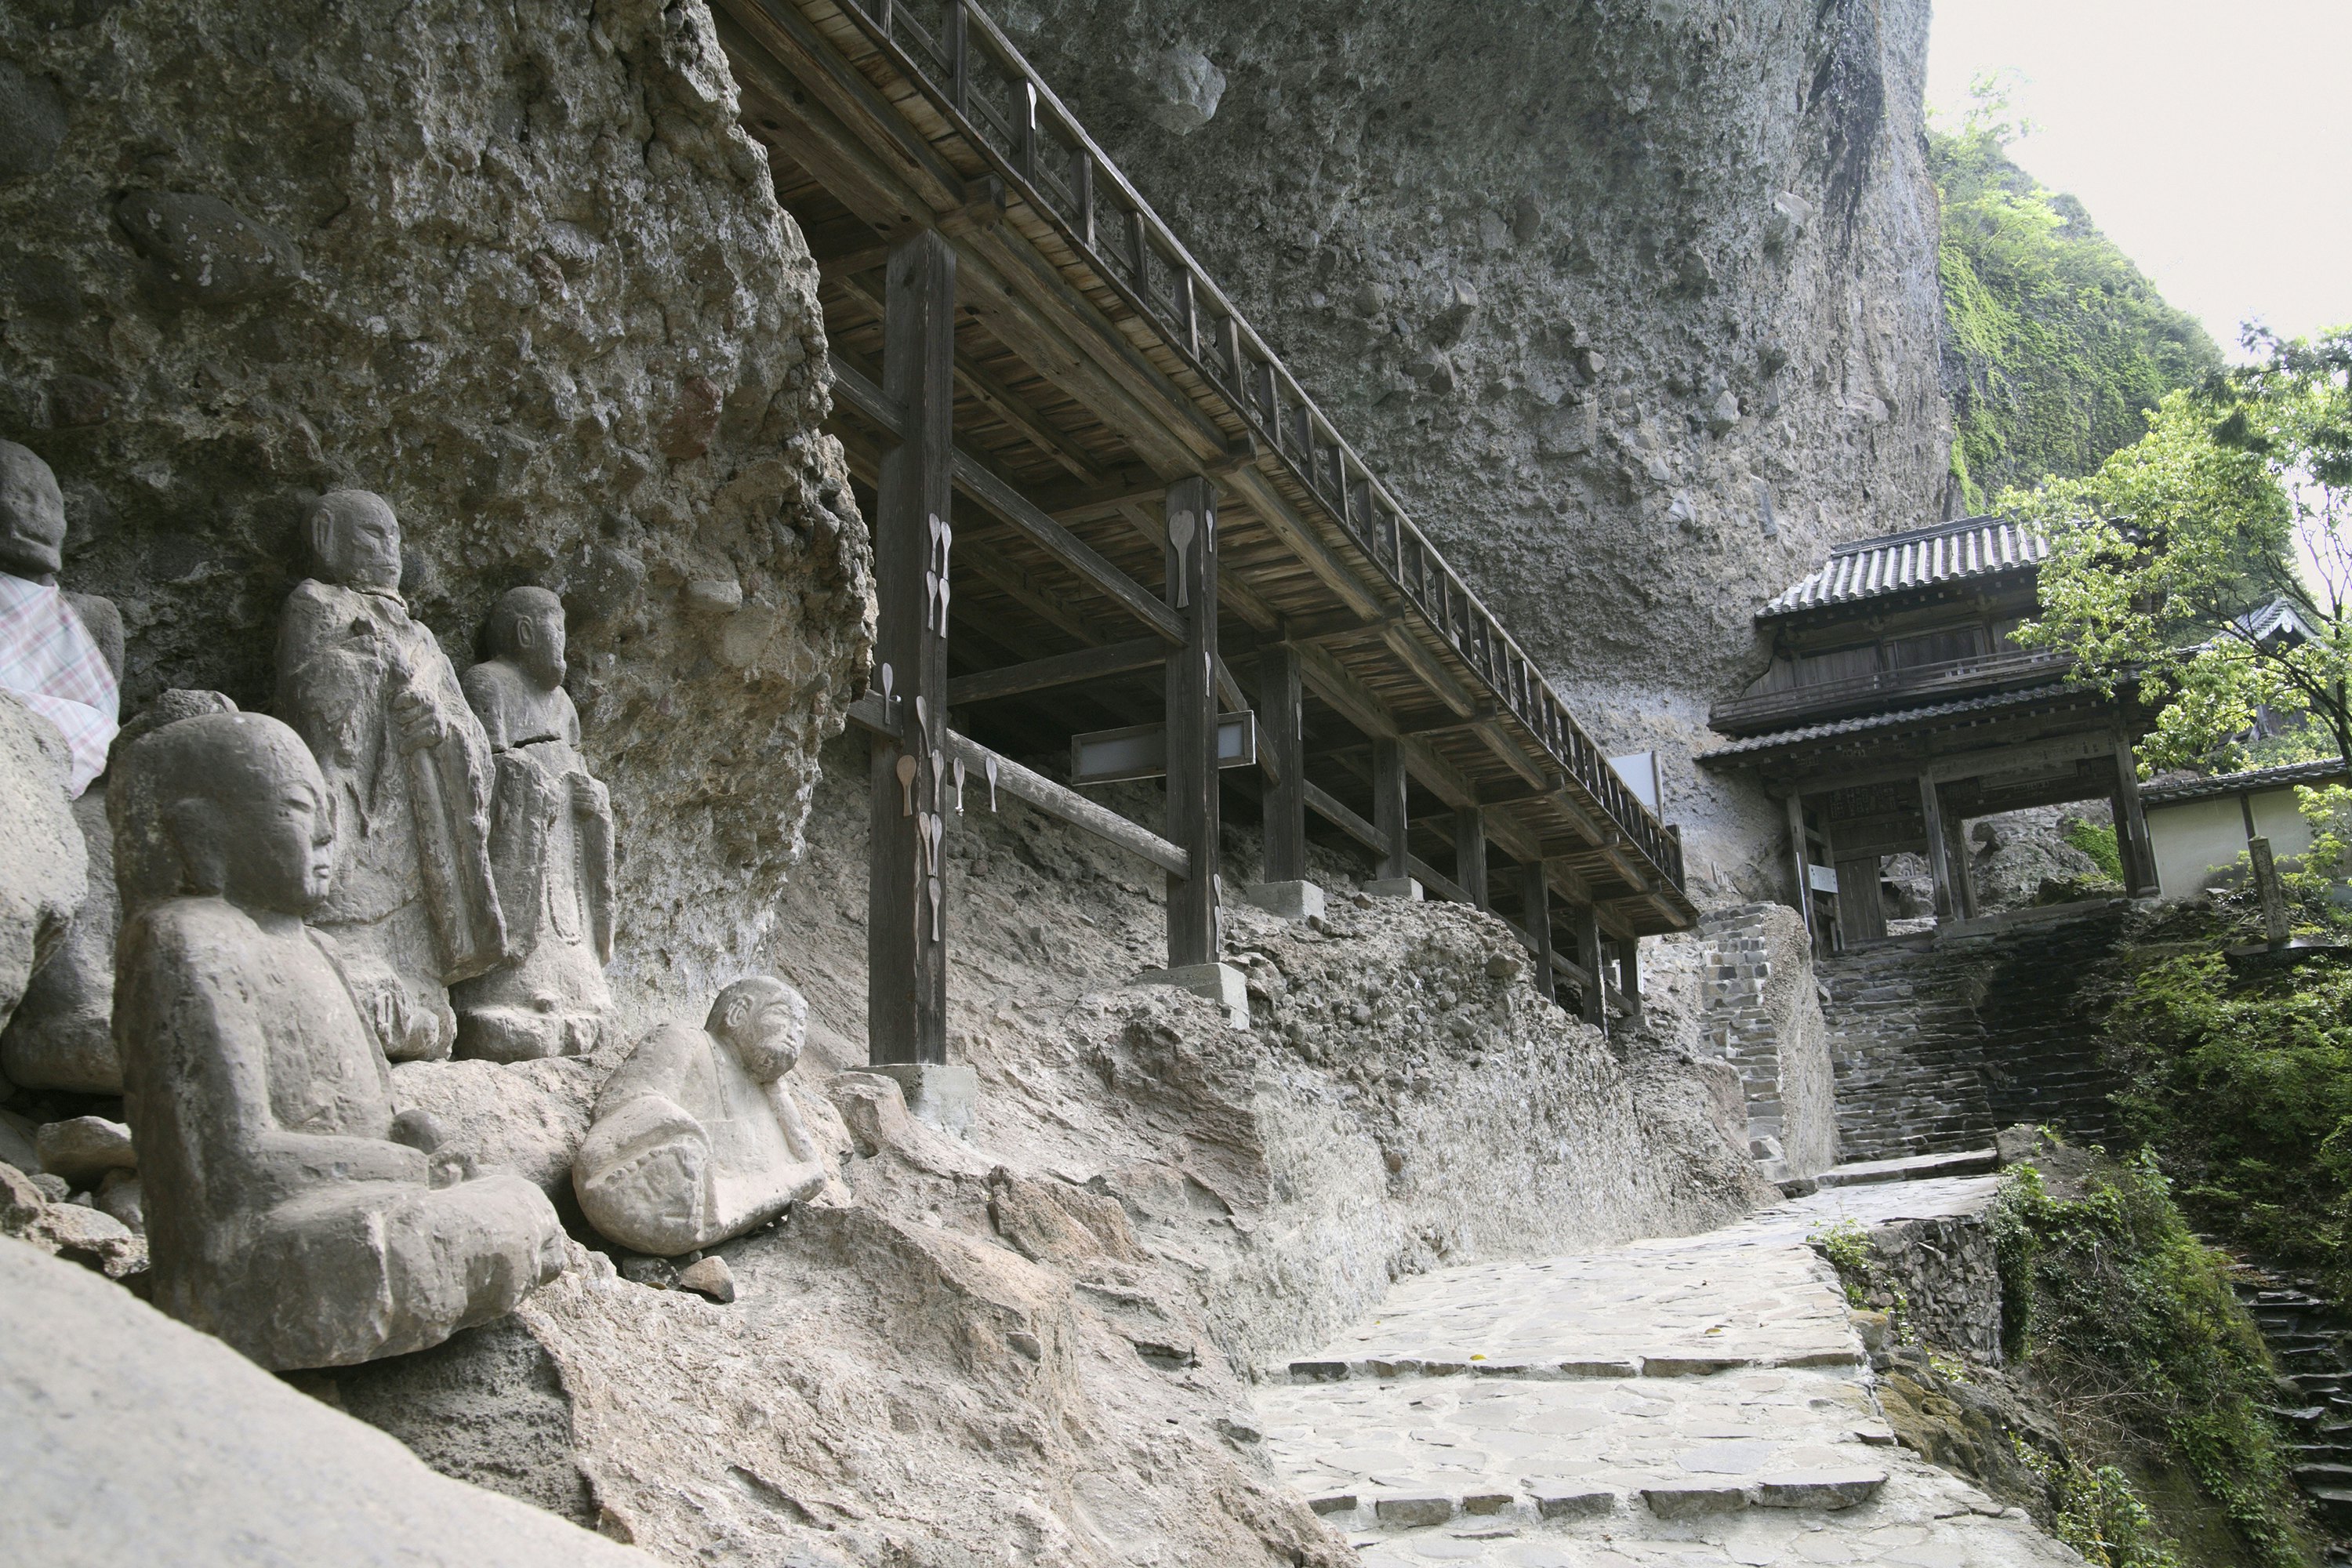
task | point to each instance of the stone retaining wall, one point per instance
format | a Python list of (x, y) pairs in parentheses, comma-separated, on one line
[(1764, 1016), (1942, 1037)]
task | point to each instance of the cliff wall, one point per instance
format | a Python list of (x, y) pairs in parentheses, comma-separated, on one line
[(1632, 301)]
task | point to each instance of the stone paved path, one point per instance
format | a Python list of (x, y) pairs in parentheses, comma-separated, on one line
[(1686, 1401)]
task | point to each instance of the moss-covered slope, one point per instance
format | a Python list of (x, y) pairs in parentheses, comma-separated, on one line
[(2054, 343)]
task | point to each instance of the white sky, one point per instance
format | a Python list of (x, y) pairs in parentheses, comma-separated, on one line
[(2210, 139)]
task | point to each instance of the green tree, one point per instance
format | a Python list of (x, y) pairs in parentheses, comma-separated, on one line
[(2054, 344), (2240, 495)]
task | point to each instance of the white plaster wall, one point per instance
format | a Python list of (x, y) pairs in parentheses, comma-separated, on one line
[(2198, 841)]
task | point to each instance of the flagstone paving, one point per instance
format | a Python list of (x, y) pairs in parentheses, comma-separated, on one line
[(1687, 1400)]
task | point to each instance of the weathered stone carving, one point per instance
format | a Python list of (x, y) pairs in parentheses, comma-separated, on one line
[(697, 1137), (288, 1210), (414, 906), (42, 867), (62, 653), (551, 849)]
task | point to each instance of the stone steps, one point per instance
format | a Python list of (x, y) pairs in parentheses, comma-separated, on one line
[(2311, 1345)]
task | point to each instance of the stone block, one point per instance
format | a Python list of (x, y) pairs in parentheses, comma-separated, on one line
[(1219, 982), (1414, 1512), (1576, 1502), (945, 1095), (1299, 901), (1820, 1488), (1394, 887), (1694, 1502)]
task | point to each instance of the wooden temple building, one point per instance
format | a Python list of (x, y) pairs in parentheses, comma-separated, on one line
[(1108, 525), (1896, 707)]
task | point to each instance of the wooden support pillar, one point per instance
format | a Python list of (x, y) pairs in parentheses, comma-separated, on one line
[(1388, 807), (1470, 853), (906, 921), (2131, 825), (1964, 882), (1589, 955), (1535, 899), (1629, 976), (1800, 861), (1939, 859), (1192, 817), (1280, 727)]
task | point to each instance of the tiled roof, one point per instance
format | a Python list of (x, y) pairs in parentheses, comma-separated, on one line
[(2279, 615), (1948, 552), (1892, 720), (2322, 771)]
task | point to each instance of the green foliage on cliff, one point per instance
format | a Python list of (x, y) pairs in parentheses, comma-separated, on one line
[(2116, 1308), (2054, 344)]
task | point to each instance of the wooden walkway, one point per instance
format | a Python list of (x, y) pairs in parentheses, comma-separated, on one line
[(1077, 453)]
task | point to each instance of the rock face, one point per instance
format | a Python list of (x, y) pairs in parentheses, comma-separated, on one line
[(40, 846), (1632, 302), (1763, 1015), (129, 1439), (520, 274)]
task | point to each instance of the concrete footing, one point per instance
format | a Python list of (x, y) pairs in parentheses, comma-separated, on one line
[(1300, 902), (1394, 887), (945, 1096), (1220, 983)]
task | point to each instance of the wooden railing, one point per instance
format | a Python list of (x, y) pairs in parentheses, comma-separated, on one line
[(1919, 683), (975, 76)]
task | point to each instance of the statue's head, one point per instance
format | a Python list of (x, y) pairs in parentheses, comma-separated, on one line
[(526, 629), (229, 805), (32, 516), (355, 540), (766, 1022)]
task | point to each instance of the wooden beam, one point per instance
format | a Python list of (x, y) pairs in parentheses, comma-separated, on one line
[(1931, 810), (1069, 805), (1281, 713), (2131, 824), (1047, 604), (906, 961), (1058, 670), (1436, 881), (984, 486), (1427, 665), (1192, 792), (1333, 810)]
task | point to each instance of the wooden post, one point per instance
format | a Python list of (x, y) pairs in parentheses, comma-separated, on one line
[(906, 955), (1535, 898), (1281, 728), (1964, 882), (2131, 825), (1931, 809), (1470, 853), (1589, 955), (1190, 507), (1801, 858), (1629, 976), (1388, 806)]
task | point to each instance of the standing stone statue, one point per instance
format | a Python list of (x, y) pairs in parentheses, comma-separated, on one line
[(551, 849), (62, 652), (697, 1137), (409, 770), (288, 1211)]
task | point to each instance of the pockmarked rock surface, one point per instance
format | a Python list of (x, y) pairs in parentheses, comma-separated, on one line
[(520, 273), (129, 1439), (1700, 1399), (1634, 305)]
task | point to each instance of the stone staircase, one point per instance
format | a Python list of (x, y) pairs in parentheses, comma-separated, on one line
[(2308, 1336), (1940, 1038)]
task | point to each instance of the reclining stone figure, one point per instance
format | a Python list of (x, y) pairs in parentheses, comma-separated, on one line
[(551, 849), (288, 1211), (697, 1137), (414, 906)]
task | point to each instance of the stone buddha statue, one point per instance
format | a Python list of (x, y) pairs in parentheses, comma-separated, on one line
[(288, 1211), (414, 906), (551, 849), (697, 1137), (61, 653)]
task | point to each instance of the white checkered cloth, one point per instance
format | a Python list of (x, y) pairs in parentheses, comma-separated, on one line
[(48, 657)]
